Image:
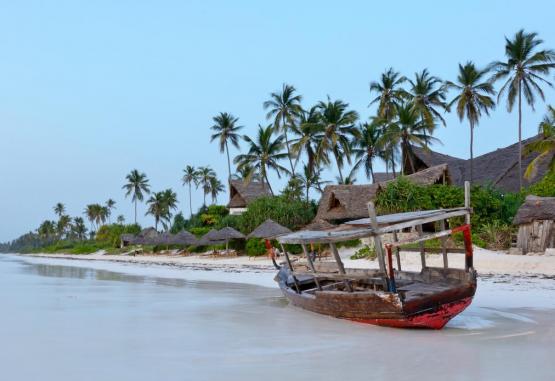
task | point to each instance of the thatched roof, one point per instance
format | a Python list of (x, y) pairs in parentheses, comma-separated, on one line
[(228, 233), (318, 225), (535, 208), (185, 238), (241, 194), (268, 229), (498, 168), (349, 202), (382, 176)]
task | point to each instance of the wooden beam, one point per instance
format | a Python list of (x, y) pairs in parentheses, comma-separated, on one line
[(444, 245), (396, 248), (421, 244), (340, 265), (377, 239), (290, 268), (413, 223), (310, 264)]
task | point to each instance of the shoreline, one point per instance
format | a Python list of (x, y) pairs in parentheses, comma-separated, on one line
[(486, 262)]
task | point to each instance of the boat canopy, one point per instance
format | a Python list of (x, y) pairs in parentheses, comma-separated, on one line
[(365, 228)]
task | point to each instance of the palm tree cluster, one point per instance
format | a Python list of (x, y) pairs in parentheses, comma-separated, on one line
[(408, 111), (160, 206)]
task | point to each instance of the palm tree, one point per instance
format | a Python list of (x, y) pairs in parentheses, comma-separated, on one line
[(309, 131), (226, 130), (524, 70), (472, 99), (110, 205), (170, 203), (63, 224), (263, 154), (156, 207), (408, 130), (337, 127), (310, 178), (47, 229), (246, 174), (427, 96), (190, 177), (137, 185), (216, 187), (545, 147), (121, 219), (390, 93), (79, 228), (349, 180), (59, 209), (91, 212), (204, 176), (284, 108), (367, 147)]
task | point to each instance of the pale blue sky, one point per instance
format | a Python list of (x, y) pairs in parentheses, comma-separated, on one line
[(90, 90)]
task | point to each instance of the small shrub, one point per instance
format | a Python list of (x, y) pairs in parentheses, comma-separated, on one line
[(199, 231), (366, 252), (255, 247)]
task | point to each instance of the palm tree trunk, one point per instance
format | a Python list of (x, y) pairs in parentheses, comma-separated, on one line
[(339, 168), (190, 201), (519, 136), (287, 145), (471, 152), (372, 172), (268, 183), (393, 166), (135, 212), (409, 155), (228, 164)]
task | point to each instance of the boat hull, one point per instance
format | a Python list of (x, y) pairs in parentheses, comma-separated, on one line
[(403, 309)]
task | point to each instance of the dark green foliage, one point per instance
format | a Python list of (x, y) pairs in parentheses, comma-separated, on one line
[(110, 234), (544, 188), (229, 220), (179, 223), (351, 243), (365, 252), (255, 247), (290, 213), (199, 231)]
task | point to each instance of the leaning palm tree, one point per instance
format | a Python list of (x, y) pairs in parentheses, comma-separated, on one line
[(110, 205), (137, 185), (264, 154), (408, 130), (190, 177), (204, 176), (226, 131), (472, 99), (59, 209), (525, 70), (337, 129), (389, 93), (367, 148), (284, 108), (545, 147), (427, 98)]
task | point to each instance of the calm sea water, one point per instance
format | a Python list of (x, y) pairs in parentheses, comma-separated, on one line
[(61, 320)]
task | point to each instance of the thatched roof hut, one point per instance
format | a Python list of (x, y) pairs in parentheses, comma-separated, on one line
[(498, 168), (269, 229), (185, 238), (348, 202), (145, 237), (241, 194), (536, 224), (227, 234)]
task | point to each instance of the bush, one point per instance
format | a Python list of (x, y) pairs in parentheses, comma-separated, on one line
[(255, 247), (544, 188), (496, 236), (199, 231), (290, 213), (110, 234), (365, 253)]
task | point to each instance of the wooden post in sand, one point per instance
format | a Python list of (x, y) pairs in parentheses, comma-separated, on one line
[(467, 201), (377, 239)]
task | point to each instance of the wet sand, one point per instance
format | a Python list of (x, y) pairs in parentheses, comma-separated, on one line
[(91, 320)]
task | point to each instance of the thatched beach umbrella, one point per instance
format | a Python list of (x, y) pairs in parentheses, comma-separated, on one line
[(269, 229), (185, 238), (210, 238), (227, 234)]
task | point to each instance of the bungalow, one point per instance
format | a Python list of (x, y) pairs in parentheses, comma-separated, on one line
[(536, 224), (340, 203), (241, 194)]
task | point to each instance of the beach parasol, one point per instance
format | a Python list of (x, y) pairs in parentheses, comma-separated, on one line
[(269, 229)]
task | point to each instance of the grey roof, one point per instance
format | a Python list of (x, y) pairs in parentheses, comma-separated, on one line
[(535, 208), (268, 229), (227, 233), (241, 194), (185, 238), (382, 176)]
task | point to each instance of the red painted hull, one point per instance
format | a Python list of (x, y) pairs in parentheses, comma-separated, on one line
[(433, 319)]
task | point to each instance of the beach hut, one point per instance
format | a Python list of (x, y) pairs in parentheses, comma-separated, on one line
[(535, 221), (146, 235), (185, 238), (241, 194), (269, 229)]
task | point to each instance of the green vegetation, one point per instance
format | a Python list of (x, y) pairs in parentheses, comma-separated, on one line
[(365, 252), (255, 247)]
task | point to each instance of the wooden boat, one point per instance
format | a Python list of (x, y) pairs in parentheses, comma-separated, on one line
[(388, 296)]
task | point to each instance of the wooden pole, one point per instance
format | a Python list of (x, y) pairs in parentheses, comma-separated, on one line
[(290, 268), (377, 239), (467, 201), (421, 245), (444, 245), (340, 264), (311, 265), (397, 256)]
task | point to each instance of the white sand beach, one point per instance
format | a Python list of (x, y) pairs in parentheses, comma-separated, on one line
[(486, 262)]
